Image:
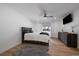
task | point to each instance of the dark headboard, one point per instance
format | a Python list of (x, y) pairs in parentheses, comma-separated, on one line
[(25, 30)]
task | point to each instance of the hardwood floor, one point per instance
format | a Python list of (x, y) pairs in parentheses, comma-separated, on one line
[(56, 48)]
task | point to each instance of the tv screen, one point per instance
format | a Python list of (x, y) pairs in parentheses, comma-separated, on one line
[(67, 19)]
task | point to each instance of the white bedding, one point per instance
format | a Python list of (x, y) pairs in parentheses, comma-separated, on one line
[(36, 37)]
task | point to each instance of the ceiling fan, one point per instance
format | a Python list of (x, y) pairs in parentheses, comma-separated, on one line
[(44, 14)]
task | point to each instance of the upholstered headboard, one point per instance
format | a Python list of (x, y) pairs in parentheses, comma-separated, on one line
[(25, 30)]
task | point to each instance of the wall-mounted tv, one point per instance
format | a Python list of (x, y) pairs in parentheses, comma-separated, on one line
[(67, 19)]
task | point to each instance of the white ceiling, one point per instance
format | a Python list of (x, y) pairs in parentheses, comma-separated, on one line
[(58, 9), (34, 11)]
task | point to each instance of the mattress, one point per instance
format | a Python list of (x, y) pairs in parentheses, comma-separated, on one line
[(36, 37)]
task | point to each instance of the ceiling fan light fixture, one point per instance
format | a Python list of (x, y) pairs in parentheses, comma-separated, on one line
[(55, 18), (45, 18)]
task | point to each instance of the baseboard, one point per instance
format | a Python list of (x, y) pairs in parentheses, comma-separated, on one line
[(10, 48)]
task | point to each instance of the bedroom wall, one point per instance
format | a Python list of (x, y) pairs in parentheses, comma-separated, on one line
[(55, 28), (11, 22), (37, 28), (75, 23)]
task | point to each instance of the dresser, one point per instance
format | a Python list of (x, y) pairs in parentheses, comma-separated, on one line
[(70, 39)]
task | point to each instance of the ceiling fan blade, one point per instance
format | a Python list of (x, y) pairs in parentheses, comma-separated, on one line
[(49, 16)]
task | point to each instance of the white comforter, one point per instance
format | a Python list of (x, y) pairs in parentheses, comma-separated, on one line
[(36, 37)]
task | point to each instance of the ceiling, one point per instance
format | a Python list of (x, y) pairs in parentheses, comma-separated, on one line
[(58, 9), (34, 11)]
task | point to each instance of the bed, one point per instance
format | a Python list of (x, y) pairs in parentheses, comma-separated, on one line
[(28, 36), (36, 37)]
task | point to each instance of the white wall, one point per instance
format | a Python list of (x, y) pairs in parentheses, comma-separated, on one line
[(67, 28), (10, 23), (55, 28), (75, 23), (37, 27)]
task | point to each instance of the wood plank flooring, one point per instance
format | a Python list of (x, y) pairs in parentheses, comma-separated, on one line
[(56, 48)]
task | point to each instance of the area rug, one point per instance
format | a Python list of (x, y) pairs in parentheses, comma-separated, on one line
[(33, 50)]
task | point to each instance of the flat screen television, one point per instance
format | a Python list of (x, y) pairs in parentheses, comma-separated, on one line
[(67, 19)]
